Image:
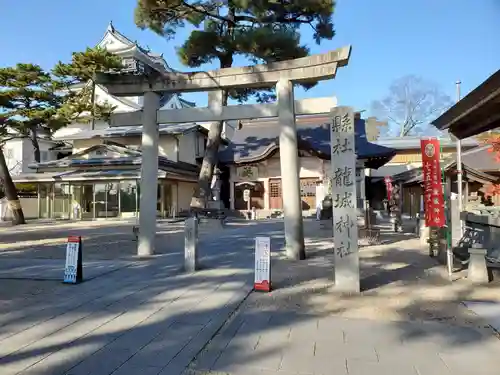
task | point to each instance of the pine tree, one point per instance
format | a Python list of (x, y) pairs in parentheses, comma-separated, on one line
[(79, 101), (260, 30), (28, 106), (29, 103)]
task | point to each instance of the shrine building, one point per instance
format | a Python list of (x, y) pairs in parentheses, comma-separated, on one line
[(251, 162)]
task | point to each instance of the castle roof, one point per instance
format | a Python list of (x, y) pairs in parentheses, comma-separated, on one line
[(119, 44)]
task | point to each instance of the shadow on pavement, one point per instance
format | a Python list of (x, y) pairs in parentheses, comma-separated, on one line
[(149, 318)]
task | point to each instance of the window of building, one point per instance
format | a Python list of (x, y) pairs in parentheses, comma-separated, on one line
[(128, 196)]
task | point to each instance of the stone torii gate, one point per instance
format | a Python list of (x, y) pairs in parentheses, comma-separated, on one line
[(282, 75)]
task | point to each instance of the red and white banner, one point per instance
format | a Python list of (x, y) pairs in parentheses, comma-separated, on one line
[(388, 186), (433, 187)]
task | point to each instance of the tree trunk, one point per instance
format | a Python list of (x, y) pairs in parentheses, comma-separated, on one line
[(33, 134), (203, 191), (11, 192)]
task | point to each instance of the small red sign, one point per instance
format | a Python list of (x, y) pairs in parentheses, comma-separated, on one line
[(262, 286), (433, 187)]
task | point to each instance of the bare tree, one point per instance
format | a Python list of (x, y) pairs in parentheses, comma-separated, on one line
[(411, 104)]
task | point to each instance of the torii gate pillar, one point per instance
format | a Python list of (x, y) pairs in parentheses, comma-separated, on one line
[(290, 167), (149, 175)]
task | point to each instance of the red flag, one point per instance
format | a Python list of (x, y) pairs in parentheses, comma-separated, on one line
[(388, 186), (433, 188)]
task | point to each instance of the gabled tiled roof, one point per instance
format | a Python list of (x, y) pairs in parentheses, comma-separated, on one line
[(126, 131), (475, 164), (256, 142), (480, 158), (413, 142), (126, 157)]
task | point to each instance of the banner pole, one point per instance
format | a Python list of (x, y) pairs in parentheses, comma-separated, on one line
[(449, 250)]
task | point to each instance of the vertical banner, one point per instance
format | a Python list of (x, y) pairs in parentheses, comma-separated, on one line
[(388, 186), (345, 228), (433, 187), (262, 280), (73, 269)]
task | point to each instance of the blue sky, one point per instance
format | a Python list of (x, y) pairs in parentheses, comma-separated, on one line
[(439, 40)]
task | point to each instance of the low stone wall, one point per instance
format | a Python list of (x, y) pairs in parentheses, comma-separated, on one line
[(482, 229)]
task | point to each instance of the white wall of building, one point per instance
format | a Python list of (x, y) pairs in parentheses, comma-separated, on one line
[(185, 192), (19, 153), (188, 147), (101, 96)]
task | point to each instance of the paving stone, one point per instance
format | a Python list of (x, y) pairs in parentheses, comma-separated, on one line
[(127, 369), (364, 352), (298, 358), (394, 354), (263, 357), (165, 347), (63, 360), (208, 358), (15, 364), (104, 362), (327, 366), (490, 311), (471, 361), (433, 368), (358, 367)]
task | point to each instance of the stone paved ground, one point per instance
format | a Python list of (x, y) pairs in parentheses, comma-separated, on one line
[(408, 320), (146, 318)]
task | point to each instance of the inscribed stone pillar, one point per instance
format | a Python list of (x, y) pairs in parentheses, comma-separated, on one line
[(289, 162), (345, 229), (149, 175)]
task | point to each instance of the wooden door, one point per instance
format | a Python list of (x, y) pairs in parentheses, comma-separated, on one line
[(275, 197)]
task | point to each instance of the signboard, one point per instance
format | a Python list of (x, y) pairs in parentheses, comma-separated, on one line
[(345, 228), (246, 195), (247, 173), (388, 186), (262, 281), (73, 269), (433, 188), (191, 244)]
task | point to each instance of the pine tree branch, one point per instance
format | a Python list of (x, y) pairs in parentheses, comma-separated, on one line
[(234, 21), (198, 9)]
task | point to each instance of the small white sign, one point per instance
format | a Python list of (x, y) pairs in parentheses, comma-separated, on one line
[(72, 255), (246, 195), (262, 264)]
